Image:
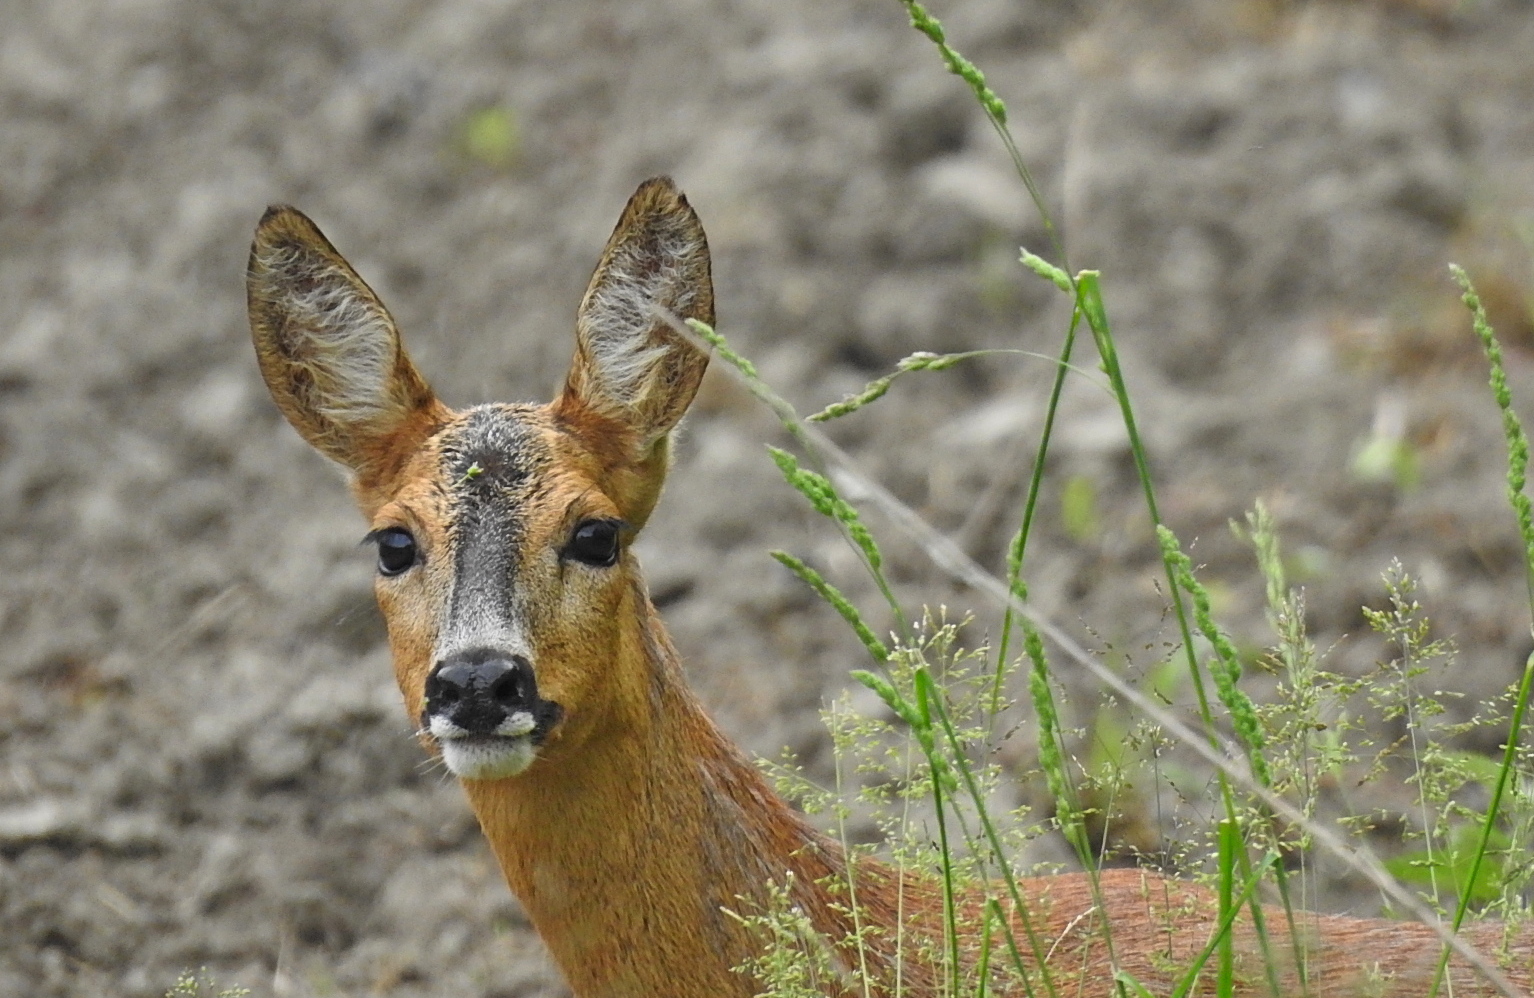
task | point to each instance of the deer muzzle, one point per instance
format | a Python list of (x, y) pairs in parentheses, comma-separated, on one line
[(484, 712)]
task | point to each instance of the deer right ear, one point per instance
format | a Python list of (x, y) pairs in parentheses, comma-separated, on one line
[(329, 351), (630, 365)]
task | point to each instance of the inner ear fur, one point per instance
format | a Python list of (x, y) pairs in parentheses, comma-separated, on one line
[(329, 351), (631, 368)]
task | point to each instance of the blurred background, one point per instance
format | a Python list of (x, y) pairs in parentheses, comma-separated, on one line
[(203, 761)]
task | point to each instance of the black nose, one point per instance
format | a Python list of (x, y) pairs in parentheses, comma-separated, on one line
[(478, 689)]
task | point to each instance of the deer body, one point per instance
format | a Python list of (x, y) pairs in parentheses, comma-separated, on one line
[(526, 647)]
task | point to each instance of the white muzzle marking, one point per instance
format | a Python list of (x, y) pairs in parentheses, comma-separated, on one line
[(506, 751)]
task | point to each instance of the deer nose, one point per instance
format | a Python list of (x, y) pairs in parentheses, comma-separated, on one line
[(477, 690)]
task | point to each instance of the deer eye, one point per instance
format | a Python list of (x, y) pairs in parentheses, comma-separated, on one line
[(396, 550), (594, 542)]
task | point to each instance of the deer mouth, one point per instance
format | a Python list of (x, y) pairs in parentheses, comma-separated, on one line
[(505, 750)]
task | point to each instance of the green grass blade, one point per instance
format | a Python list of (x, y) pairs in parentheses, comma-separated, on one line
[(1230, 845), (993, 840), (1227, 670), (995, 109), (1517, 478), (920, 361), (1223, 930), (1017, 551), (1054, 275), (840, 603), (817, 489), (926, 693), (1512, 428)]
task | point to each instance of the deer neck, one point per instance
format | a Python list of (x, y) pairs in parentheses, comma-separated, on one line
[(626, 853)]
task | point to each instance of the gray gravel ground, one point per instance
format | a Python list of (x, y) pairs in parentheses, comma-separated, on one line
[(202, 757)]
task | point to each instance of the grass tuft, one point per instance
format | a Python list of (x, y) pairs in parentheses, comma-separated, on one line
[(930, 774), (202, 985)]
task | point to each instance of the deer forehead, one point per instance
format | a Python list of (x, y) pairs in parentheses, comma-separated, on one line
[(494, 480), (512, 465)]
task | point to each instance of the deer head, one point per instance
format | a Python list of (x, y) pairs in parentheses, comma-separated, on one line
[(502, 530)]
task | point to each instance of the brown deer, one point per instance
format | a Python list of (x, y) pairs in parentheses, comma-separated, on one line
[(529, 653)]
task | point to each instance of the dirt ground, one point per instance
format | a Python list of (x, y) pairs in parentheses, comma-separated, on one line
[(202, 757)]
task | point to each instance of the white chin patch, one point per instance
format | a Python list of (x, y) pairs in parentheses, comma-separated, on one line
[(488, 758)]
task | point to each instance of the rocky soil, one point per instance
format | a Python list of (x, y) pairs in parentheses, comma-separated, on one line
[(202, 757)]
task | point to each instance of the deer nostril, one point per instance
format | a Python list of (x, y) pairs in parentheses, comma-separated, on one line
[(450, 682), (506, 689)]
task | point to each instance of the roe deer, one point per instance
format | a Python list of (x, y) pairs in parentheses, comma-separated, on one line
[(529, 653)]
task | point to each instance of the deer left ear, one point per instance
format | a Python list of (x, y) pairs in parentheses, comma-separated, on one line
[(329, 351), (630, 366)]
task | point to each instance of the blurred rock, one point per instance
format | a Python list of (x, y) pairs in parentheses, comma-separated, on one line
[(977, 187), (49, 820), (926, 116), (898, 314)]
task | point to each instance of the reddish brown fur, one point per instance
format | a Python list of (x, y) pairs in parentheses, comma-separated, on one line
[(640, 821)]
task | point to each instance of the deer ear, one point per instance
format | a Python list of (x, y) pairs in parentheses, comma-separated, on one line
[(630, 366), (328, 349)]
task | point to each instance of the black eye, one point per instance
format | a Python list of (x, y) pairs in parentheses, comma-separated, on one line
[(595, 542), (396, 550)]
